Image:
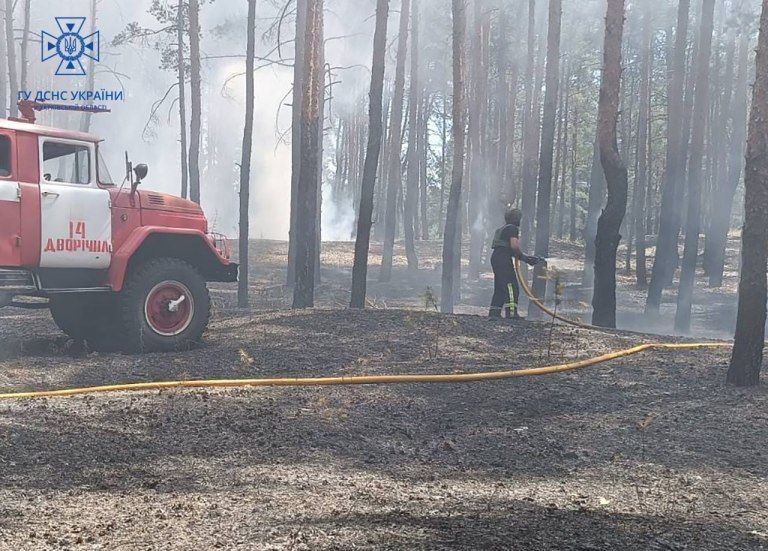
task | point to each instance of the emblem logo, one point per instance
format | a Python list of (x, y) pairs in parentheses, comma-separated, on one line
[(70, 46)]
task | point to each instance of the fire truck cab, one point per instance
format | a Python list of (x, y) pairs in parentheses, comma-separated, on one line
[(121, 267)]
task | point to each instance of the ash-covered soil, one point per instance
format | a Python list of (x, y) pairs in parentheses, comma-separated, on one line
[(651, 452)]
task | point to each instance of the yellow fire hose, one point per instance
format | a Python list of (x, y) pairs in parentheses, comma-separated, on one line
[(532, 298), (379, 379), (363, 379)]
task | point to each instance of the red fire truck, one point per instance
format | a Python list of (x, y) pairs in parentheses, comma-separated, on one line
[(120, 267)]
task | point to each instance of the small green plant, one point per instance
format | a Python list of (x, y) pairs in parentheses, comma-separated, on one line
[(430, 300)]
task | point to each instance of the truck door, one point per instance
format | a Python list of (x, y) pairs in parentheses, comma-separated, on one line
[(76, 225), (10, 204)]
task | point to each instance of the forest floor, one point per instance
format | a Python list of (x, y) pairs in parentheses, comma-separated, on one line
[(651, 452)]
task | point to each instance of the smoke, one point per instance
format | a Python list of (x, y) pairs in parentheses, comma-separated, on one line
[(338, 219), (135, 69)]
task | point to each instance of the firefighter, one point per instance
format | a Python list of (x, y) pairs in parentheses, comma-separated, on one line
[(506, 247)]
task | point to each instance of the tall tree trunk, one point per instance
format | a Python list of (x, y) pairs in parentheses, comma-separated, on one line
[(747, 355), (478, 180), (443, 157), (85, 118), (643, 125), (695, 176), (307, 204), (544, 198), (627, 109), (394, 172), (11, 53), (379, 202), (414, 117), (324, 73), (501, 192), (574, 177), (609, 223), (560, 197), (181, 73), (452, 233), (682, 189), (530, 133), (296, 98), (25, 46), (372, 152), (421, 153), (669, 217), (196, 99), (595, 202), (717, 236), (245, 161)]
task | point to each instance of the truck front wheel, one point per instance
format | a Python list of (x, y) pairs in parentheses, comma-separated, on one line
[(164, 306)]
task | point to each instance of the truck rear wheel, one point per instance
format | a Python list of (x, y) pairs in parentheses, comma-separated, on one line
[(164, 306)]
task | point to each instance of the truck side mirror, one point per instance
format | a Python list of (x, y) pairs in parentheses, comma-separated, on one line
[(141, 172)]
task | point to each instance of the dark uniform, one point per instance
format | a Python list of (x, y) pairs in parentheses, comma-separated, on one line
[(504, 271)]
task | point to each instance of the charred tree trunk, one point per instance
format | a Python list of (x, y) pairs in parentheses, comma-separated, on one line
[(296, 98), (181, 72), (245, 160), (196, 99), (452, 233), (312, 94), (530, 133), (643, 125), (669, 217), (695, 174), (609, 223), (547, 146), (394, 172), (747, 356), (13, 81), (414, 116), (372, 152)]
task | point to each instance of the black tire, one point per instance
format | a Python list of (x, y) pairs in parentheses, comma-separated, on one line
[(149, 323), (87, 317)]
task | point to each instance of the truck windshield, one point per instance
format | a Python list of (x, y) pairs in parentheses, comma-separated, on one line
[(104, 177)]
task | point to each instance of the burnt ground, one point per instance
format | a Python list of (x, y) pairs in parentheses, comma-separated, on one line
[(651, 452)]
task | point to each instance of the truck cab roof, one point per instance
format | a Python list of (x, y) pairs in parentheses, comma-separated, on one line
[(21, 125)]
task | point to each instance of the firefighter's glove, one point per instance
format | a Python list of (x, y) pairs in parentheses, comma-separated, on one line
[(533, 260)]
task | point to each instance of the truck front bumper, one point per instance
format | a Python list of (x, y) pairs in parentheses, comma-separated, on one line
[(226, 273)]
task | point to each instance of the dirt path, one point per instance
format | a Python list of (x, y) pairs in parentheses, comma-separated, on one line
[(650, 452)]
